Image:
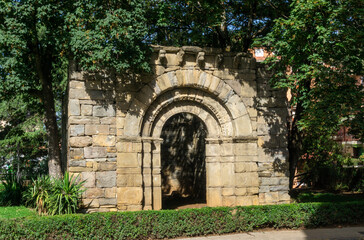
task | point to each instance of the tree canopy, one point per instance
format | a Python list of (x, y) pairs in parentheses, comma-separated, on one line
[(318, 55)]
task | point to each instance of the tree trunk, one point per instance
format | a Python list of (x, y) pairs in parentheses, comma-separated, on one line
[(294, 145), (44, 65), (295, 137)]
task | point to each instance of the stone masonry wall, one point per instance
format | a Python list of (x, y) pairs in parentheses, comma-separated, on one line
[(115, 124)]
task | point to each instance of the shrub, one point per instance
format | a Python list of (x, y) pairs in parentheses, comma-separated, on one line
[(65, 195), (55, 196), (186, 222), (38, 194), (11, 193)]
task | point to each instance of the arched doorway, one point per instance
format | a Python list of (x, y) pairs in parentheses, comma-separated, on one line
[(183, 165)]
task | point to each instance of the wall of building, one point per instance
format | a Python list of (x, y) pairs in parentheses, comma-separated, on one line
[(115, 123)]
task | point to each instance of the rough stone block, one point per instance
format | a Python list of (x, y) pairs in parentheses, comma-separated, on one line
[(103, 111), (103, 140), (249, 179), (96, 129), (110, 192), (90, 203), (127, 160), (213, 174), (105, 166), (214, 197), (106, 179), (271, 197), (74, 107), (89, 178), (77, 130), (83, 120), (95, 152), (129, 180), (76, 153), (227, 174), (94, 193), (107, 201), (245, 149), (130, 195), (228, 191), (240, 191), (80, 141), (228, 201), (86, 110), (245, 167)]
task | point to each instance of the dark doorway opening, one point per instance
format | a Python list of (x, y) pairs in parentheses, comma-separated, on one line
[(183, 162)]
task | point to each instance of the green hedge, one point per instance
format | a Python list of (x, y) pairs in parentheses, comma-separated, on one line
[(188, 222)]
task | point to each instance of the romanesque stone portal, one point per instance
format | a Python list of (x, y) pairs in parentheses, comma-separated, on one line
[(124, 132)]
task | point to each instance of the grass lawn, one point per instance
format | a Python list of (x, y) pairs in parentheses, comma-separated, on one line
[(15, 212)]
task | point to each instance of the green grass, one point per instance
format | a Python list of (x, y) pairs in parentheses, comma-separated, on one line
[(15, 212)]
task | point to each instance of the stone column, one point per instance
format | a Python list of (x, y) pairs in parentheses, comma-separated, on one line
[(213, 173), (129, 174), (156, 173)]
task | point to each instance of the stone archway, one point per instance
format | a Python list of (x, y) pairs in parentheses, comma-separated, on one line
[(115, 128), (183, 166)]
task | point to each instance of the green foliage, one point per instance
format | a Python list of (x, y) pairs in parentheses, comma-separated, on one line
[(215, 23), (318, 54), (187, 222), (38, 193), (55, 196), (65, 195), (12, 189), (327, 197), (22, 136)]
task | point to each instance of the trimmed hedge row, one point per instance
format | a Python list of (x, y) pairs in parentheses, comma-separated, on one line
[(187, 222)]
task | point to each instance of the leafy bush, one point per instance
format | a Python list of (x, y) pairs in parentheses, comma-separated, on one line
[(38, 194), (55, 196), (11, 193), (65, 195), (186, 222)]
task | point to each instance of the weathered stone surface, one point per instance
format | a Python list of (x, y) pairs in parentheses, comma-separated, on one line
[(77, 130), (91, 203), (76, 153), (96, 129), (94, 193), (74, 107), (95, 152), (110, 192), (106, 179), (103, 140), (103, 111), (214, 197), (245, 167), (127, 160), (250, 179), (107, 201), (80, 141), (105, 166), (86, 110), (130, 195), (89, 178)]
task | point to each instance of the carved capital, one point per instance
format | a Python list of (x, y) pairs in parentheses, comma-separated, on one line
[(219, 60), (180, 56), (200, 60), (162, 57)]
